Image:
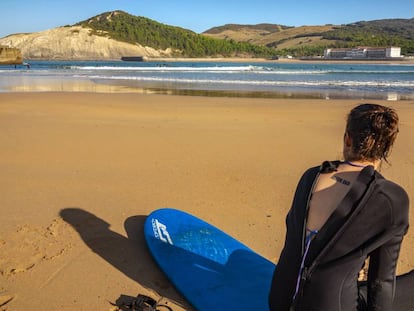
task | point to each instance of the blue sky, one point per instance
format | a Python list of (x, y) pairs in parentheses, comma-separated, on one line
[(199, 15)]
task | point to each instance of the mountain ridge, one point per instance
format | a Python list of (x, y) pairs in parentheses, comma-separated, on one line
[(114, 34), (128, 28), (382, 32)]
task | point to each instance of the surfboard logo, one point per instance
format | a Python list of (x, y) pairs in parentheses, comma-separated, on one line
[(161, 232)]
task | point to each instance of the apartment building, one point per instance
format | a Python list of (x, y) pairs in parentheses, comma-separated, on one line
[(363, 53)]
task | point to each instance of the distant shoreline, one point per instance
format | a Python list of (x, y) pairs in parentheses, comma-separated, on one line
[(249, 60), (284, 60)]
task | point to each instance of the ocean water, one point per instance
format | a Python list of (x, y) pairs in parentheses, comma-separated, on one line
[(262, 79)]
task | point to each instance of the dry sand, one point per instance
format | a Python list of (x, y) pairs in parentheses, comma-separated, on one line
[(80, 171)]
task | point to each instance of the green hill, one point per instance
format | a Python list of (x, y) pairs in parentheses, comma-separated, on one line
[(312, 40), (386, 32), (134, 29), (261, 40)]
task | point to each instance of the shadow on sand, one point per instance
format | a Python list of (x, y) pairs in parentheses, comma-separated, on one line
[(131, 256), (127, 254)]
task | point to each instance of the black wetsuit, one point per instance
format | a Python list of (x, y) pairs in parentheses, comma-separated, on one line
[(370, 221)]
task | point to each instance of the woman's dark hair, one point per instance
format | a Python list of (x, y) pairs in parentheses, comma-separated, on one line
[(373, 129)]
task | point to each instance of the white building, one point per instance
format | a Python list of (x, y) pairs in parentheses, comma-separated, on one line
[(363, 53), (393, 52)]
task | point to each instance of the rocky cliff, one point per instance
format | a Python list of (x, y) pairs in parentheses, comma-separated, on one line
[(10, 56), (75, 43)]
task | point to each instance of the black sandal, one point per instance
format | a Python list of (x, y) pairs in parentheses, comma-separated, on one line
[(144, 303)]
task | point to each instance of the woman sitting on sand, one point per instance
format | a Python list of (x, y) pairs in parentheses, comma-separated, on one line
[(344, 212)]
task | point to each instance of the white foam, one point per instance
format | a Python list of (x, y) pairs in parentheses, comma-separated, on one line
[(331, 83)]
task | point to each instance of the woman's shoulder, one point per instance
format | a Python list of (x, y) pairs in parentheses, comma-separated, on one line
[(390, 187), (309, 176), (396, 196)]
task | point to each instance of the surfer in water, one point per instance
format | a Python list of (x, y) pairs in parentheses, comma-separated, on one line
[(345, 214)]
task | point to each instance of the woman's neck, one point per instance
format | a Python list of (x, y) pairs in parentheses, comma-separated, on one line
[(363, 163)]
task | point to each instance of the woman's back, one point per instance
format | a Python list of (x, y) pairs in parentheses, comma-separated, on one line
[(328, 192)]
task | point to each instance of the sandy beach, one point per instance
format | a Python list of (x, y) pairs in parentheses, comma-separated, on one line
[(80, 172)]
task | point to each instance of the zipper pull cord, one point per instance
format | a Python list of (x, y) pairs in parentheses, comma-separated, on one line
[(309, 239)]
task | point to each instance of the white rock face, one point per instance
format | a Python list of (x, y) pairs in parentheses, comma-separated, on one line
[(75, 43)]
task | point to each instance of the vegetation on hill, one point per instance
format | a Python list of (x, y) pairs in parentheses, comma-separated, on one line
[(270, 28), (313, 40), (262, 40), (140, 30), (387, 32)]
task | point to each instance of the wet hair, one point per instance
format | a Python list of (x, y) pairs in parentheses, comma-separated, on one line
[(373, 129)]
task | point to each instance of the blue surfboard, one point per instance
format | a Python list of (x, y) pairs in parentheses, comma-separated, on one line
[(211, 269)]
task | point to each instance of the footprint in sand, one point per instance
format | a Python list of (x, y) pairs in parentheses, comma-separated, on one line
[(29, 245), (5, 299)]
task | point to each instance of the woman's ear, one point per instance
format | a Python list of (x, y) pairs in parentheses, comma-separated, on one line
[(347, 140)]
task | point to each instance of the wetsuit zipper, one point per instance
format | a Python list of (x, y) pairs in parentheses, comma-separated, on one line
[(303, 271), (305, 222)]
